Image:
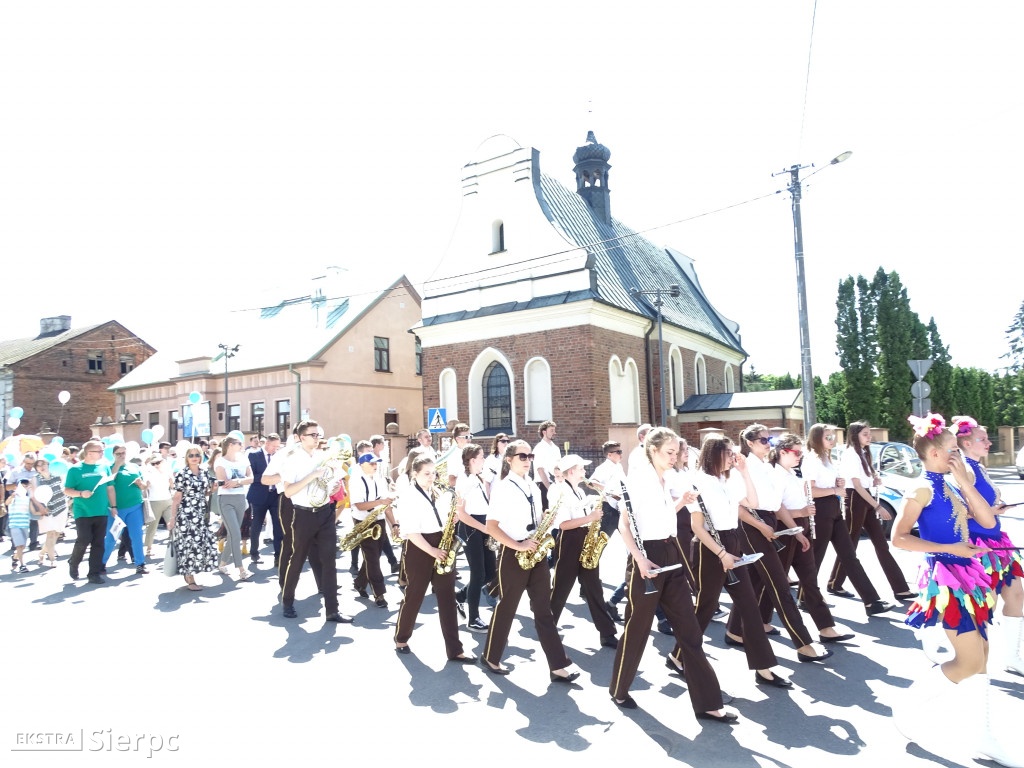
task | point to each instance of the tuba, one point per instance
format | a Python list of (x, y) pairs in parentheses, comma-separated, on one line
[(595, 541), (450, 543), (545, 541), (321, 489)]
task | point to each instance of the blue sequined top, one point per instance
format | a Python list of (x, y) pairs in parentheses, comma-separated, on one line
[(937, 521), (988, 493)]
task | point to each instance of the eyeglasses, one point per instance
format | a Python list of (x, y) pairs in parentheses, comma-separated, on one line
[(524, 456), (761, 440), (830, 438), (310, 434), (795, 451), (194, 456), (502, 441), (617, 450)]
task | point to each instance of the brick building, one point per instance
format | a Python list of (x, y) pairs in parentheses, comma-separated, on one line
[(781, 410), (83, 361), (530, 315)]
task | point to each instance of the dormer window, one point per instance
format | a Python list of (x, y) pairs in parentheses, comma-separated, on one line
[(498, 236)]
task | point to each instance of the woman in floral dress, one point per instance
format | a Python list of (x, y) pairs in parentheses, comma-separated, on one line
[(197, 550)]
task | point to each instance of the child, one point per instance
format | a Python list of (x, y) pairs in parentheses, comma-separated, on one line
[(19, 520), (955, 591)]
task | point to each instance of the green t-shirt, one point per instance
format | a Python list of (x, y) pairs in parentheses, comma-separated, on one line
[(84, 477), (125, 491)]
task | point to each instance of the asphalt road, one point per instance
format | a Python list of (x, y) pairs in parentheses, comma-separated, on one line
[(140, 665)]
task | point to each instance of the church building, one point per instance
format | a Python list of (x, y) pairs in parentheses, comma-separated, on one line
[(533, 313)]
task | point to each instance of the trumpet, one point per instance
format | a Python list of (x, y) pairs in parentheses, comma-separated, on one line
[(320, 490)]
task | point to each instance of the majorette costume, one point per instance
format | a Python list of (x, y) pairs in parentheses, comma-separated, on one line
[(1001, 566)]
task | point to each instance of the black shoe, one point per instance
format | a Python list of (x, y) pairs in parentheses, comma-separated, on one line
[(494, 671), (74, 572), (255, 559), (626, 703), (363, 593), (841, 592), (96, 580), (140, 570), (394, 568), (353, 569), (610, 641), (381, 602), (268, 541), (775, 682), (773, 631), (836, 639), (475, 625), (877, 607), (906, 595), (800, 606), (464, 659), (103, 571), (276, 560), (664, 627), (33, 547), (121, 558), (719, 613), (728, 718), (809, 659), (288, 612), (340, 618), (613, 612), (571, 677), (734, 643), (678, 670)]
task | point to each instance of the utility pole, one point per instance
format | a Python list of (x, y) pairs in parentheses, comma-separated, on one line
[(228, 353)]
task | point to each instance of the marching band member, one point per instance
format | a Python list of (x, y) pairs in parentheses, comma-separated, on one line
[(461, 437), (577, 513), (648, 529), (368, 496), (514, 514), (423, 533), (609, 477), (474, 499), (720, 494)]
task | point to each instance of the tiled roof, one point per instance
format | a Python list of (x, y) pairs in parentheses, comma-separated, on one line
[(16, 350), (740, 401)]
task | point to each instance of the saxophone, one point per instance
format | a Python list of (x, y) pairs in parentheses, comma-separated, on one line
[(366, 528), (595, 540), (545, 541), (448, 539)]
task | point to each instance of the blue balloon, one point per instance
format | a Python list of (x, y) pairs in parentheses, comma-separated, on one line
[(58, 440), (59, 467), (17, 412), (108, 454), (49, 455), (11, 458), (194, 398), (147, 436)]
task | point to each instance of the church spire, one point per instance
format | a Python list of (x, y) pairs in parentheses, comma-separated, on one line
[(592, 177)]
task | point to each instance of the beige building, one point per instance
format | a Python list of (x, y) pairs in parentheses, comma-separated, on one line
[(340, 356)]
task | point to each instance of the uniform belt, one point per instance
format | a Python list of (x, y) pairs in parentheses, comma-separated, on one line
[(308, 509)]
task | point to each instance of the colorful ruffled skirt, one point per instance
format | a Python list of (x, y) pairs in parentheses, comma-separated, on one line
[(1002, 567), (959, 594)]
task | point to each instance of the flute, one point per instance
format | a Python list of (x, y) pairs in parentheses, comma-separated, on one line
[(779, 544), (731, 579), (649, 588), (810, 503)]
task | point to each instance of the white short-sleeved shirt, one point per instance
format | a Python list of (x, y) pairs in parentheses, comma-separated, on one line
[(516, 505), (611, 475), (851, 469), (769, 491), (653, 507), (159, 488), (297, 466), (233, 470), (637, 459), (418, 516), (277, 462), (362, 487), (571, 502), (679, 482), (471, 490), (545, 456), (822, 474), (794, 489), (721, 498)]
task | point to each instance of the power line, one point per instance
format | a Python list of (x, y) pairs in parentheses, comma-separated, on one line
[(807, 79)]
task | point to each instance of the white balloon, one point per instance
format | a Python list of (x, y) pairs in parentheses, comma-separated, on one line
[(43, 494), (158, 432), (13, 422), (131, 449), (181, 447), (63, 396)]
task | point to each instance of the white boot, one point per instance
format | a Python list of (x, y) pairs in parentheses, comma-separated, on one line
[(1013, 628), (917, 715), (932, 639), (988, 746)]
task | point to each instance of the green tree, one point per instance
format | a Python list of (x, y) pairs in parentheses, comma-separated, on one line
[(830, 397), (1015, 338), (941, 373), (855, 342)]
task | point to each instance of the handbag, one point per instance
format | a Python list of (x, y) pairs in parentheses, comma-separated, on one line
[(149, 516), (171, 559)]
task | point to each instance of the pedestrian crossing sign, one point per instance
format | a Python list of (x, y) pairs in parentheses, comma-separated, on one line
[(437, 420)]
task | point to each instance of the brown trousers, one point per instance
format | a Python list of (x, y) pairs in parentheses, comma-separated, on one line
[(512, 582), (830, 528), (769, 579), (285, 512), (673, 596), (806, 569), (567, 570), (711, 579), (419, 568), (313, 531), (860, 515), (370, 572)]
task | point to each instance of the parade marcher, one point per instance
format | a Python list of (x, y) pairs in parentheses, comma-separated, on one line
[(19, 514), (513, 516), (124, 494), (648, 528), (263, 499), (313, 528), (461, 437), (55, 520), (158, 493), (197, 550), (234, 476), (546, 455), (722, 481), (576, 514), (494, 460), (757, 534), (89, 504), (473, 500), (369, 495), (638, 456), (424, 518), (609, 476), (26, 471), (955, 592), (826, 489), (864, 511)]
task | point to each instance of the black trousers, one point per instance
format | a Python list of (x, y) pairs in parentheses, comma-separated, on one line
[(673, 596), (512, 582), (286, 515), (481, 567), (421, 572), (567, 570), (91, 533), (830, 529), (259, 513), (769, 580), (860, 515), (370, 573), (711, 579), (312, 531), (806, 569)]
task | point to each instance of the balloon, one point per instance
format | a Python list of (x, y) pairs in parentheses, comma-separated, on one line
[(115, 439), (59, 467), (43, 494), (194, 398), (181, 448), (63, 396), (108, 454), (13, 422), (58, 440), (177, 465), (17, 412), (12, 458), (147, 436), (237, 435), (157, 431), (131, 450), (49, 455)]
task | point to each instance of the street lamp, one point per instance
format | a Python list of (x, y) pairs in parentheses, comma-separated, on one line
[(657, 293), (807, 377), (228, 353)]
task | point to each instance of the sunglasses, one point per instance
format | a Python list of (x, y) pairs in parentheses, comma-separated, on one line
[(761, 440), (523, 456), (502, 441), (830, 438), (194, 456), (796, 452)]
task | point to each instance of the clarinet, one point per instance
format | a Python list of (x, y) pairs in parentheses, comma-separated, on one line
[(810, 502), (731, 579), (649, 588), (779, 544)]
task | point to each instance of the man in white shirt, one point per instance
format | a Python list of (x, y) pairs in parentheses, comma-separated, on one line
[(425, 439), (545, 456), (638, 456), (609, 477), (368, 493), (313, 527)]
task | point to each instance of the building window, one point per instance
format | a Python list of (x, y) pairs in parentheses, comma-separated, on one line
[(96, 362), (283, 420), (127, 364), (701, 375), (498, 236), (448, 389), (537, 378), (234, 417), (381, 355), (154, 418), (173, 418), (497, 398), (256, 418), (624, 389), (675, 366), (730, 379), (419, 358)]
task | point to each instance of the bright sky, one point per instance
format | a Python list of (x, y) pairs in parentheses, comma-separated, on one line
[(161, 162)]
